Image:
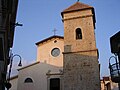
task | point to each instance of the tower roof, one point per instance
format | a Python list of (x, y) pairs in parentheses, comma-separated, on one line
[(77, 6)]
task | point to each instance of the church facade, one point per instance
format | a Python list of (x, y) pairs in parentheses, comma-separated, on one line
[(65, 63), (47, 70)]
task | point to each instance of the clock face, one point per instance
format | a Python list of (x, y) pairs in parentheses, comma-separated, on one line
[(55, 52)]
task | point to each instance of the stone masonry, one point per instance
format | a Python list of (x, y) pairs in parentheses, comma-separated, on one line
[(80, 57)]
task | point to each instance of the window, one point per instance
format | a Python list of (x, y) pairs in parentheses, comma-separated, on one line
[(78, 33), (28, 80), (55, 84), (55, 52), (55, 41)]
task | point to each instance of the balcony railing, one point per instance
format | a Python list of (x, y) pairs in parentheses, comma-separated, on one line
[(114, 70)]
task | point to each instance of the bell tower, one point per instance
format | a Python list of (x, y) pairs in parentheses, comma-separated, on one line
[(81, 66)]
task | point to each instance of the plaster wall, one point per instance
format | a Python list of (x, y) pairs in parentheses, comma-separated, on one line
[(38, 73), (44, 52), (14, 83)]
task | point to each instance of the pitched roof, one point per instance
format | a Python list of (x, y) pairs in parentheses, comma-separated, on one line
[(28, 66), (77, 6), (49, 39), (13, 77), (115, 42)]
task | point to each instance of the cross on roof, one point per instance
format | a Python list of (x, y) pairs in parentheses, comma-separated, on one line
[(54, 31)]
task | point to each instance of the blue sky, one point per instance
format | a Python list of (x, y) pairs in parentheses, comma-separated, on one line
[(40, 17)]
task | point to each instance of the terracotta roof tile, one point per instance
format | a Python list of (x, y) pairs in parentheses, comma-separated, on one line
[(77, 6)]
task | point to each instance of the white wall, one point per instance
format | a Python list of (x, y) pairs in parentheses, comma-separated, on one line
[(38, 74), (14, 83)]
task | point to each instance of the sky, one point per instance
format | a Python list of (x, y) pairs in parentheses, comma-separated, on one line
[(41, 17)]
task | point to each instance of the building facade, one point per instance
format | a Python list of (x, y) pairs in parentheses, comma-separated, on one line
[(69, 63), (8, 10), (81, 66), (107, 84), (46, 71)]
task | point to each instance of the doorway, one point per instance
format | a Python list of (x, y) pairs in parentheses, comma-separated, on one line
[(54, 84)]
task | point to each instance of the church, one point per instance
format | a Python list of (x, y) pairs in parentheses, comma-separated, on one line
[(68, 62)]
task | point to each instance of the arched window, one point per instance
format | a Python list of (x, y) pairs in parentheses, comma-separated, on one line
[(78, 33), (28, 80)]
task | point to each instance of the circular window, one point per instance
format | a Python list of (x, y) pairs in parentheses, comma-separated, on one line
[(55, 52)]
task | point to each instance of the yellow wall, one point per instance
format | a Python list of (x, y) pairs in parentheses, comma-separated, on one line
[(44, 52)]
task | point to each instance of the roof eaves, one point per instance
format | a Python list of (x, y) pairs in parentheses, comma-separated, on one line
[(76, 7), (28, 66), (49, 39), (13, 77)]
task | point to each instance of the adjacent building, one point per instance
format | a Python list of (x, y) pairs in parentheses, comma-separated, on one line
[(8, 10), (107, 84)]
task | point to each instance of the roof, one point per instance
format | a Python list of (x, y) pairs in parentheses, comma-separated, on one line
[(49, 39), (77, 6), (116, 36), (115, 42), (107, 78), (28, 66), (14, 77)]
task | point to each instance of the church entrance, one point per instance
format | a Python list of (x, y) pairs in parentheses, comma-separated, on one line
[(54, 84)]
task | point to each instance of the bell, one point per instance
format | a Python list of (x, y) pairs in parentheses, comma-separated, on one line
[(20, 64)]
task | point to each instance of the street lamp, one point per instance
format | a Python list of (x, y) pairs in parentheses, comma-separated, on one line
[(7, 83)]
